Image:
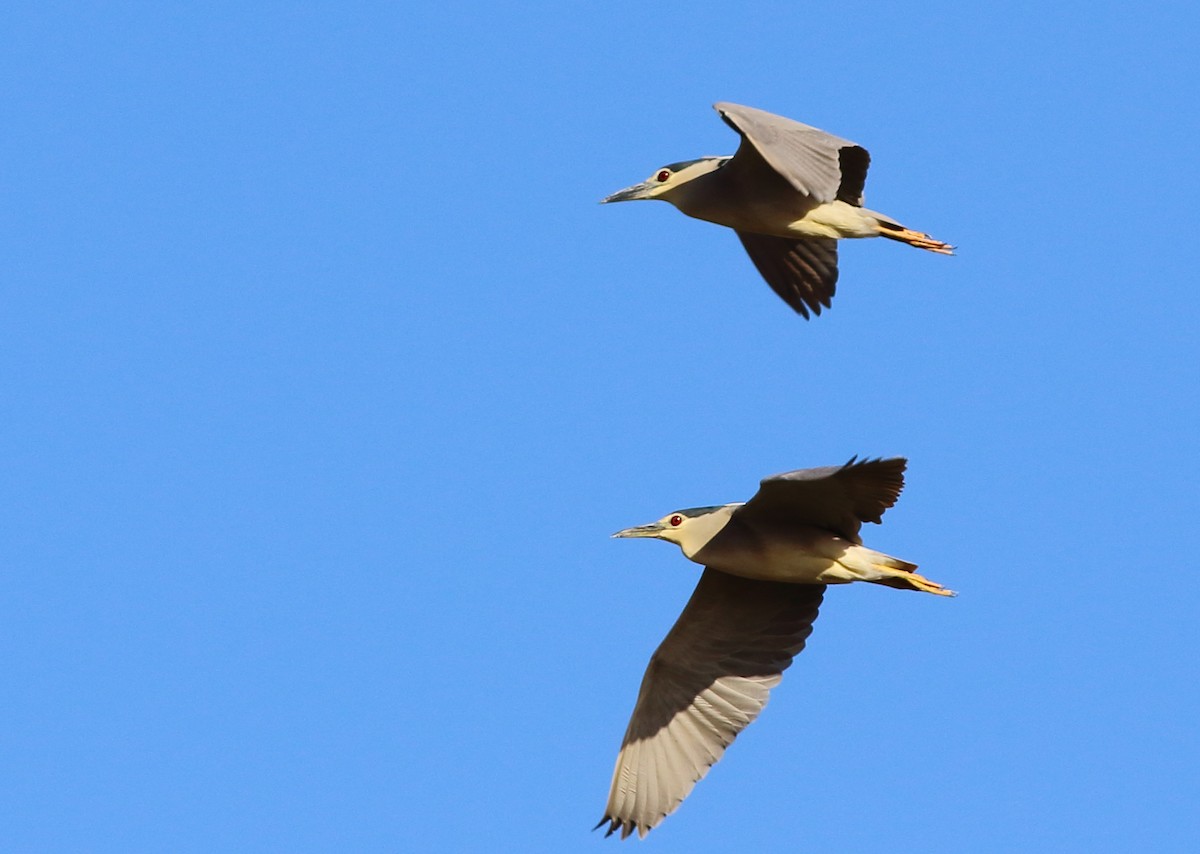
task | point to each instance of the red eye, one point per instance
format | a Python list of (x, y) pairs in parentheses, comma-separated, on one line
[(676, 520), (663, 176)]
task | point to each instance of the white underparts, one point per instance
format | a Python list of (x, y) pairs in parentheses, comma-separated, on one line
[(836, 219), (859, 563)]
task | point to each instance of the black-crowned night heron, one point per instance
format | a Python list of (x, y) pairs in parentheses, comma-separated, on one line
[(767, 563), (790, 192)]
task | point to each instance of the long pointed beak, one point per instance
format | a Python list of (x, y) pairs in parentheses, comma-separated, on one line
[(629, 194), (640, 531)]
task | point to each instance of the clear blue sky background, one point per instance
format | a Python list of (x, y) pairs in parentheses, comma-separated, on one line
[(325, 379)]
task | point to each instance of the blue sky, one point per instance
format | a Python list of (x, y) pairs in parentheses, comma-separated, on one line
[(325, 379)]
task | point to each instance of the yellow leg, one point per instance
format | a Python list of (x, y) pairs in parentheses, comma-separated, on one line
[(919, 239), (922, 583), (910, 581)]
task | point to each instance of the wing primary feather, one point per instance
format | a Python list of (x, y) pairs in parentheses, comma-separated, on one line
[(708, 680), (802, 272)]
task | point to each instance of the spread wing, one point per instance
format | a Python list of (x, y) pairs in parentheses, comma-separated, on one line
[(705, 683), (836, 498), (803, 272), (816, 163)]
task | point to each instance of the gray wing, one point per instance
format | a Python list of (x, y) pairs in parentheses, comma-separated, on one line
[(705, 683), (836, 498), (803, 272), (816, 163)]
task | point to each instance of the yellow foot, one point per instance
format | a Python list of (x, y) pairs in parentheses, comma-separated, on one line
[(920, 582), (927, 242), (909, 580), (919, 239)]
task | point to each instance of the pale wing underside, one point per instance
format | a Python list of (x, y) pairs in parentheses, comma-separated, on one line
[(706, 682), (836, 498), (803, 272), (810, 159)]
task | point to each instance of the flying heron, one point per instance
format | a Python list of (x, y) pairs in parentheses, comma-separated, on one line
[(790, 192), (767, 562)]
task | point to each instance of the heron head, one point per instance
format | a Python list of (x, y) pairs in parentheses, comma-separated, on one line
[(689, 529), (668, 178)]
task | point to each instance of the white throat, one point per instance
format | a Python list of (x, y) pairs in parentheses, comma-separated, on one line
[(698, 531)]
